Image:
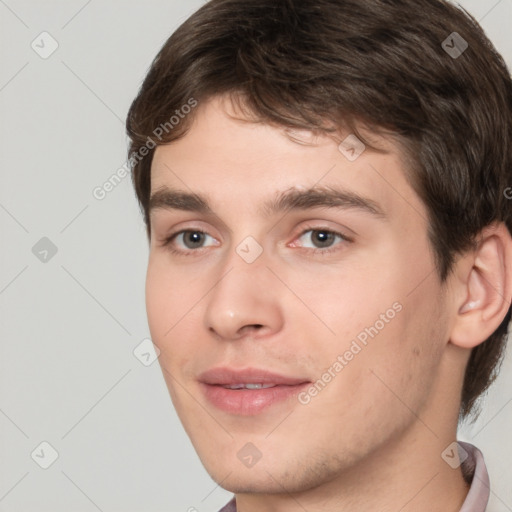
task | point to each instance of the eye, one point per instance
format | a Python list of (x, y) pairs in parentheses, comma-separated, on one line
[(188, 239), (322, 239)]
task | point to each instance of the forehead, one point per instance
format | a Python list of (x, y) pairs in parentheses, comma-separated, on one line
[(234, 160)]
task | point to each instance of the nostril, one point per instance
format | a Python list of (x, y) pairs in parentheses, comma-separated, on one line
[(251, 327)]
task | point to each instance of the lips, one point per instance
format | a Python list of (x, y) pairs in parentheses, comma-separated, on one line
[(249, 391), (228, 376)]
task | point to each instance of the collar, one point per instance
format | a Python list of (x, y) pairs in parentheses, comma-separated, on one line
[(475, 473)]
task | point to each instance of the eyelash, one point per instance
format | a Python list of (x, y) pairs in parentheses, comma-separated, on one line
[(167, 242)]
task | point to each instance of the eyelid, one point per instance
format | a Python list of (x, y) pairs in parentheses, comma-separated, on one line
[(167, 241), (166, 233), (326, 251), (322, 226)]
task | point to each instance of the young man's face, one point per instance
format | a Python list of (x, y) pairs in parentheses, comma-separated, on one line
[(364, 316)]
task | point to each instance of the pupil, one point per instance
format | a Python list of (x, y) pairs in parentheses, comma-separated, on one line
[(195, 237), (324, 238)]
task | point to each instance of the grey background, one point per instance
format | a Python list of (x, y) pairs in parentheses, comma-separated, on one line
[(68, 375)]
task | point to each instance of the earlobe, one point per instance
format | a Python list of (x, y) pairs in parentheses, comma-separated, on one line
[(487, 289)]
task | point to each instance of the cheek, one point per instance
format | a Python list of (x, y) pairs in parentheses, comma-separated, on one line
[(390, 327), (165, 304), (158, 301), (168, 294), (351, 299), (171, 297), (165, 307), (373, 395)]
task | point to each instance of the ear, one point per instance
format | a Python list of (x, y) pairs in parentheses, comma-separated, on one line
[(483, 287)]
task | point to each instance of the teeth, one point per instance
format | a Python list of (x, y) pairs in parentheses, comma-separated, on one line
[(249, 386), (235, 386), (258, 386)]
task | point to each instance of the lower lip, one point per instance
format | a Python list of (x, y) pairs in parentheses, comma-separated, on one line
[(249, 402)]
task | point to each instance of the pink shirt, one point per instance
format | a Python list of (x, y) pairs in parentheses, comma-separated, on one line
[(475, 473)]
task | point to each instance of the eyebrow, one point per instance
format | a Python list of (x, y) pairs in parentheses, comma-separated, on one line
[(292, 199)]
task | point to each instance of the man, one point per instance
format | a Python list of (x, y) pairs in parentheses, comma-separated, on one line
[(324, 184)]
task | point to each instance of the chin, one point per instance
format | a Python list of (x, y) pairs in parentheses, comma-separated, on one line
[(270, 478), (259, 482)]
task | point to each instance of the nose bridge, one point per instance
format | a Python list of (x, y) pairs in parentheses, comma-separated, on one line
[(246, 260)]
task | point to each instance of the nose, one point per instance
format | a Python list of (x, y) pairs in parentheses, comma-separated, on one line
[(244, 302)]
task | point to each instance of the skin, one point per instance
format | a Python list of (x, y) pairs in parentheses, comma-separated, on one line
[(372, 438)]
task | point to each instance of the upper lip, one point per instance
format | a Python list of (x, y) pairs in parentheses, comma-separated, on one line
[(223, 376)]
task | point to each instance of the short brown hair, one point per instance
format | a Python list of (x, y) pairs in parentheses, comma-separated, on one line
[(399, 67)]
